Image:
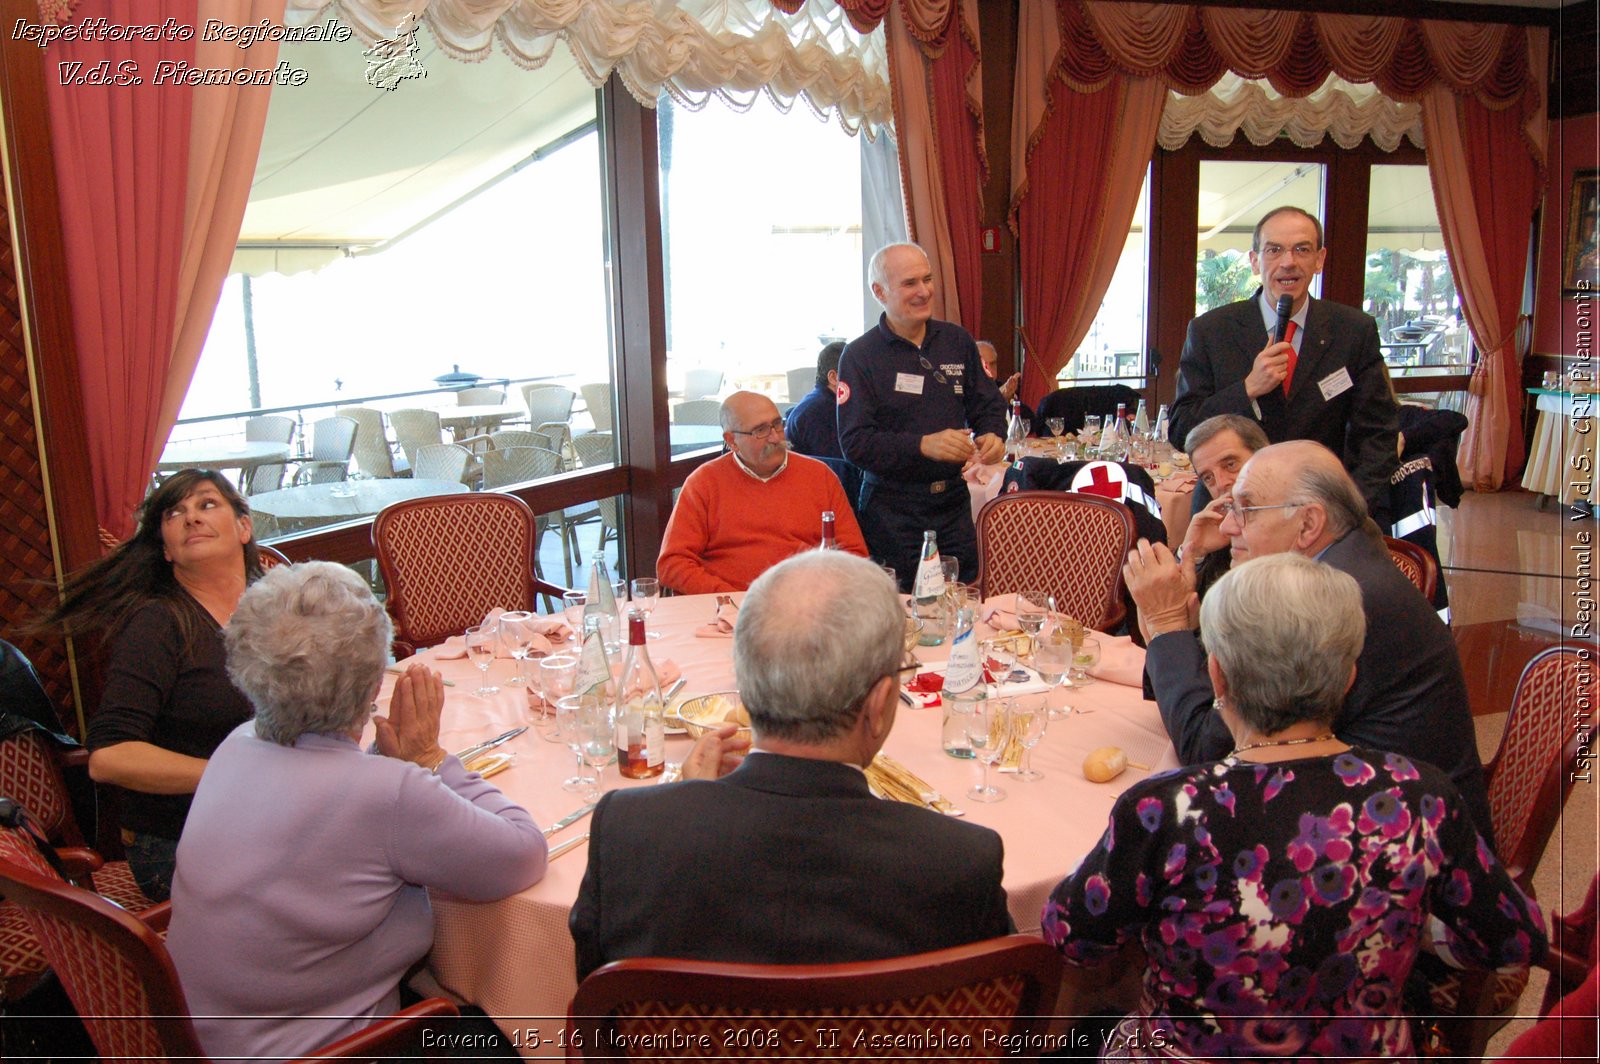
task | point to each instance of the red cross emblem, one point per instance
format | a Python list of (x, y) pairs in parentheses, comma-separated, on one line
[(1103, 479)]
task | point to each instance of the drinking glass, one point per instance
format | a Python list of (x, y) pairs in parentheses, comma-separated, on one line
[(516, 634), (951, 566), (646, 593), (1086, 657), (481, 640), (597, 737), (568, 725), (1053, 658), (1033, 605), (987, 730), (556, 676), (1028, 723), (572, 606), (1056, 425), (1091, 436)]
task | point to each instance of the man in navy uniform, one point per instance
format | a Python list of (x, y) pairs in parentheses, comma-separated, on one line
[(812, 427), (915, 409)]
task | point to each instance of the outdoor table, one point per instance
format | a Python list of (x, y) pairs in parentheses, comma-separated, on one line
[(344, 500), (467, 420), (219, 454)]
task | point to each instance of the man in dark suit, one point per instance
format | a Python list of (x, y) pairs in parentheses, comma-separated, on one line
[(1326, 381), (1409, 697), (790, 859), (812, 424)]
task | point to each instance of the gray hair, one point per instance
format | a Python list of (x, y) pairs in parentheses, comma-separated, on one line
[(1250, 434), (1285, 631), (875, 268), (815, 632), (725, 417), (306, 646), (1332, 488)]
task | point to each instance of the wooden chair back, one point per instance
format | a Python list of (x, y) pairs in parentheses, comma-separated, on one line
[(1417, 565)]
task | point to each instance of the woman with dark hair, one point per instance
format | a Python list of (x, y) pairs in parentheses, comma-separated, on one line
[(164, 597), (1283, 893)]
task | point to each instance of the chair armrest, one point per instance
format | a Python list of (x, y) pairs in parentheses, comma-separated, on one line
[(545, 587), (73, 757), (79, 862), (309, 466), (477, 444), (392, 1034), (157, 917)]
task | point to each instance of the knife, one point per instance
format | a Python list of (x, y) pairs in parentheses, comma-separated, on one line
[(474, 751), (557, 851), (571, 818)]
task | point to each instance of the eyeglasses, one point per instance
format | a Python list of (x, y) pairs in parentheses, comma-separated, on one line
[(1241, 513), (909, 668), (765, 432), (1276, 251), (929, 367)]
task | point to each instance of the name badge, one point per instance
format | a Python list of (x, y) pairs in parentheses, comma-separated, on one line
[(911, 383), (1336, 383)]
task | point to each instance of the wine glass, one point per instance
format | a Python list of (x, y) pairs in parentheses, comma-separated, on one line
[(1028, 724), (597, 738), (569, 727), (646, 593), (1033, 606), (987, 730), (1091, 435), (572, 607), (557, 673), (1085, 657), (1052, 659), (1056, 425), (516, 633), (481, 641)]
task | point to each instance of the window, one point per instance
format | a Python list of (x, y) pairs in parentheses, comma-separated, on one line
[(1408, 286), (1114, 348), (1233, 197)]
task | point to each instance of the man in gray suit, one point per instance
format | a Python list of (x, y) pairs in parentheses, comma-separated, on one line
[(790, 859), (1325, 381), (1409, 696)]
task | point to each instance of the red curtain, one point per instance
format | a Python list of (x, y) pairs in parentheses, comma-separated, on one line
[(958, 134), (122, 155)]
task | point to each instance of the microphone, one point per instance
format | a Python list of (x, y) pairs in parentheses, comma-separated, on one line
[(1285, 308)]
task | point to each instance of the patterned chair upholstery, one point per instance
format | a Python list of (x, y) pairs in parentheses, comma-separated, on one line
[(22, 960), (115, 968), (1530, 777), (1005, 985), (449, 559), (271, 556), (1071, 546), (1417, 565)]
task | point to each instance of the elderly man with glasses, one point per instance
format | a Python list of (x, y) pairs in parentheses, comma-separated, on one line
[(1324, 381), (743, 513), (1409, 696)]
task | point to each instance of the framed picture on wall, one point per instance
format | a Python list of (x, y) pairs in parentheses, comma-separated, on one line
[(1580, 266)]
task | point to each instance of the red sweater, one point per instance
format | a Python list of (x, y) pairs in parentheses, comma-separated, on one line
[(728, 527)]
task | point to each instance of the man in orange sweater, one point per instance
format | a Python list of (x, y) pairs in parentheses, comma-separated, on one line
[(743, 513)]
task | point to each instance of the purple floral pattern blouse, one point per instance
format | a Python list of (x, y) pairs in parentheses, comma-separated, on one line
[(1281, 905)]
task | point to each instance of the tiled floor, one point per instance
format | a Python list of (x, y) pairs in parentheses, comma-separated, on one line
[(1516, 575)]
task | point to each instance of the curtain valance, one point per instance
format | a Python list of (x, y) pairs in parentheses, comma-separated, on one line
[(1348, 114), (1190, 48), (692, 49)]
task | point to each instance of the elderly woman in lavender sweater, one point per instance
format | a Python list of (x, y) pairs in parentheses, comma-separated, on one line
[(301, 897)]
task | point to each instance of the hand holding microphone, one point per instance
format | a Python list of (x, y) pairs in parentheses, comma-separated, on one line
[(1271, 366)]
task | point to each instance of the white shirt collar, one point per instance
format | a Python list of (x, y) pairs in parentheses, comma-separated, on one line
[(1269, 314), (752, 473)]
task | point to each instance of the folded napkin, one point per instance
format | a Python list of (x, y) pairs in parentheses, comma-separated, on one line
[(1121, 662), (893, 781), (547, 631), (979, 473), (722, 626), (1183, 481)]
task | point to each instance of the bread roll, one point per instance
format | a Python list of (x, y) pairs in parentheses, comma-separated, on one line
[(1104, 764), (737, 715)]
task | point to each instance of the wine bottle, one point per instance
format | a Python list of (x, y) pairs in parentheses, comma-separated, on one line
[(641, 716), (830, 541)]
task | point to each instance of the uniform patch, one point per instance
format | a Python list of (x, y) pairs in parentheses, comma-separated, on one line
[(844, 394)]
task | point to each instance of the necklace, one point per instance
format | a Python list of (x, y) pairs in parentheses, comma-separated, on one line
[(1324, 737)]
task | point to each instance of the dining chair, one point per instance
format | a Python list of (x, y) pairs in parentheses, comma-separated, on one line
[(415, 428), (448, 560), (115, 968), (514, 464), (1003, 988), (593, 449), (267, 428), (801, 380), (1529, 778), (701, 383), (441, 461), (333, 441), (1070, 546), (524, 438), (480, 396), (597, 397), (1417, 565), (373, 454), (271, 557), (550, 412), (697, 412)]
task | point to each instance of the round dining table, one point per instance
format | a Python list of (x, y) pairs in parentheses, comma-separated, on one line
[(342, 500), (243, 455), (514, 957), (467, 419)]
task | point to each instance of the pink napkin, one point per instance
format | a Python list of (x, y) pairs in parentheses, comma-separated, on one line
[(1120, 661), (978, 473), (1179, 482), (999, 612), (722, 627), (547, 632)]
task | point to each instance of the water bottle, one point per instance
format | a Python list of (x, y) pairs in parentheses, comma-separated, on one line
[(963, 686), (602, 602), (928, 589), (1163, 425), (1016, 435), (1141, 420)]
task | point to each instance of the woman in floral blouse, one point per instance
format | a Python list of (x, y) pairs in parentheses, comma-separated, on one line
[(1282, 893)]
